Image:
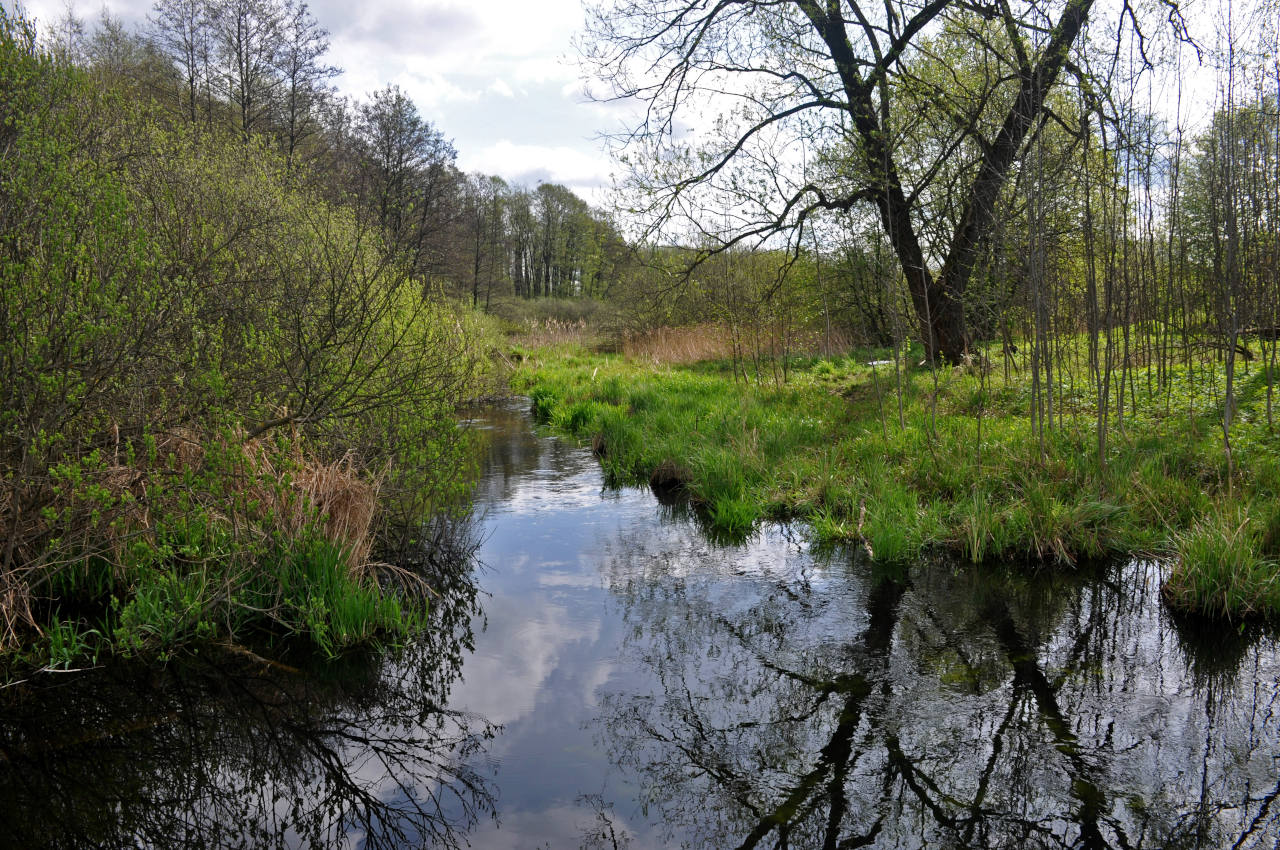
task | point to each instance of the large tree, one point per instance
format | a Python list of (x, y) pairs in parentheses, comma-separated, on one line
[(915, 110), (408, 179)]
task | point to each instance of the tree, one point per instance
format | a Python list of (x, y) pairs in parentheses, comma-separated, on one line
[(409, 180), (558, 239), (65, 37), (180, 29), (852, 82), (159, 283), (522, 227), (485, 200), (302, 76), (114, 51), (249, 39)]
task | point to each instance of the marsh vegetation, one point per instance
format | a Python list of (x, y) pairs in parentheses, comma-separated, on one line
[(942, 277)]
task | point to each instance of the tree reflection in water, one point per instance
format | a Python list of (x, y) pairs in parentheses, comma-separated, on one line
[(848, 707), (227, 749)]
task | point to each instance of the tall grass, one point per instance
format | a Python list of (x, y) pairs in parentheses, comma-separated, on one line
[(1218, 567), (963, 471)]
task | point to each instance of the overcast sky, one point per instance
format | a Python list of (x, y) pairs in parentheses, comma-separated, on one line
[(499, 78)]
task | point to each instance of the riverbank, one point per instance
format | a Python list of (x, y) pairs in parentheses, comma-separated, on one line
[(230, 396), (210, 539), (905, 460)]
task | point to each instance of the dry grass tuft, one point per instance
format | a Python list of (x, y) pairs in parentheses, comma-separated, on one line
[(15, 608), (183, 448), (346, 501), (299, 490), (663, 346), (670, 475), (676, 346)]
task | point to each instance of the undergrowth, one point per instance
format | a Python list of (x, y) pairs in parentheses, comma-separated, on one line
[(199, 538)]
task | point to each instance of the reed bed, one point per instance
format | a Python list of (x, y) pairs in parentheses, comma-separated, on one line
[(544, 333), (670, 346)]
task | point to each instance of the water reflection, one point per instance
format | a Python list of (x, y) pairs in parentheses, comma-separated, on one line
[(229, 749), (764, 695), (849, 707), (656, 688)]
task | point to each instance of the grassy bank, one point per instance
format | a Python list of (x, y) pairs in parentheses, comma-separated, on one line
[(906, 460), (212, 538)]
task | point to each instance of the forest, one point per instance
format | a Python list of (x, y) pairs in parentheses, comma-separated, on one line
[(951, 276)]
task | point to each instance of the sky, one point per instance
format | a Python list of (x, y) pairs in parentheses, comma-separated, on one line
[(499, 78)]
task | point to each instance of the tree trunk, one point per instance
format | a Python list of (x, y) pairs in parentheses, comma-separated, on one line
[(939, 303)]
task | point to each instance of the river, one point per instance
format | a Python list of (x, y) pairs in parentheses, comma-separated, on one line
[(603, 674)]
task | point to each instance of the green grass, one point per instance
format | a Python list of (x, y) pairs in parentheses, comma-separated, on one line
[(226, 554), (964, 471), (302, 587), (1219, 568)]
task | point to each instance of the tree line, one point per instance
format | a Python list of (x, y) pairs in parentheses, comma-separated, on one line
[(259, 68)]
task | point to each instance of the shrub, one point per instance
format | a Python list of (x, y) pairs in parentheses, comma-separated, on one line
[(205, 364)]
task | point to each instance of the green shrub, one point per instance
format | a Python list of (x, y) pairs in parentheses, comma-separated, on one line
[(200, 350)]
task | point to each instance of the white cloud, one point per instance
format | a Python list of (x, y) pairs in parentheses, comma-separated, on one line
[(545, 69), (578, 167), (499, 80), (505, 676), (431, 91), (499, 87)]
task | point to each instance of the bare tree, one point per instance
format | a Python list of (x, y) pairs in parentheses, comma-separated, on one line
[(180, 30), (248, 42), (112, 50), (303, 75), (66, 36), (852, 80)]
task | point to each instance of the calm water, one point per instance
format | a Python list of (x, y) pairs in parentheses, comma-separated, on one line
[(610, 677)]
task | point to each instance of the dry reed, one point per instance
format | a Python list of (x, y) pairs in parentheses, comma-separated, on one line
[(680, 345), (665, 346), (551, 332)]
